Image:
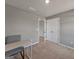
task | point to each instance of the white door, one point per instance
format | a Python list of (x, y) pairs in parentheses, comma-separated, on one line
[(53, 29)]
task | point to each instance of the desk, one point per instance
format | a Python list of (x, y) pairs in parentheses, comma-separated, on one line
[(14, 45)]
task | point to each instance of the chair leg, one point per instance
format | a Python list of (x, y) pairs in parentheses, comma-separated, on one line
[(22, 54)]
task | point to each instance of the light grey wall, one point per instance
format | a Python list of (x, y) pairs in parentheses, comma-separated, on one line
[(66, 27), (21, 22), (67, 30)]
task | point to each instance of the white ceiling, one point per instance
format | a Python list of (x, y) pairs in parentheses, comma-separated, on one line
[(39, 7)]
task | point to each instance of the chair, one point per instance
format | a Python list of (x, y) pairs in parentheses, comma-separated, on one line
[(15, 51), (12, 38)]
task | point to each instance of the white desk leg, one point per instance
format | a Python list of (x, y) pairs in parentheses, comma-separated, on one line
[(31, 51)]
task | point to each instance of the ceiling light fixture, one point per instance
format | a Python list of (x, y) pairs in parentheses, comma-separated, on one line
[(47, 1)]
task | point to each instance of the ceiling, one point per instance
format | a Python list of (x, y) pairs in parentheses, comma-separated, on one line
[(39, 7)]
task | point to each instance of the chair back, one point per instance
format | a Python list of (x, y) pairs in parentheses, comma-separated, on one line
[(12, 38)]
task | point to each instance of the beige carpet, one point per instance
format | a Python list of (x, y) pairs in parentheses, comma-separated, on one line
[(50, 50)]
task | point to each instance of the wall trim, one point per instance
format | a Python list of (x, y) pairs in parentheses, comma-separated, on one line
[(65, 45), (58, 43), (59, 14)]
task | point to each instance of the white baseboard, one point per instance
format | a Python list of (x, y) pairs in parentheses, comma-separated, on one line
[(62, 44), (65, 45)]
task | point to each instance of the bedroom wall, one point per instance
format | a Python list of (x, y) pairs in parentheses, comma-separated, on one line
[(66, 27), (67, 30), (18, 22)]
